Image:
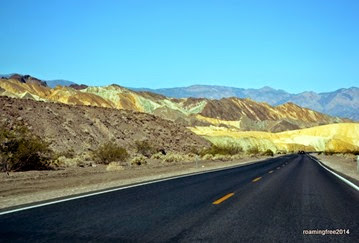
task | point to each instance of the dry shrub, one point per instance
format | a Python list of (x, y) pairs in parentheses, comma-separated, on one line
[(329, 152), (236, 157), (207, 157), (63, 161), (173, 157), (114, 166), (268, 152), (222, 157), (80, 161), (227, 149), (158, 155), (68, 154), (192, 156), (253, 151), (139, 160), (144, 148), (20, 150), (110, 152)]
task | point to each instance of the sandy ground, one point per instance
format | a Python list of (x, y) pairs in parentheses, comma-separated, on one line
[(343, 163), (20, 188)]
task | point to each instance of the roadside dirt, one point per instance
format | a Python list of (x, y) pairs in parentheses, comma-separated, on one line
[(20, 188), (343, 163)]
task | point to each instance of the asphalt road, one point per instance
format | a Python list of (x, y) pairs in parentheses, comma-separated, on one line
[(273, 201)]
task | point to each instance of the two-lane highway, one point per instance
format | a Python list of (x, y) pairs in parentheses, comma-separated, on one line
[(271, 201)]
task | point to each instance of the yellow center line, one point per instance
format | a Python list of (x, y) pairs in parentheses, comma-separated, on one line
[(270, 172), (257, 179), (223, 198)]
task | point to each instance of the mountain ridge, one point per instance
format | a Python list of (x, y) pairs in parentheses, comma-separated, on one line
[(244, 114), (343, 102)]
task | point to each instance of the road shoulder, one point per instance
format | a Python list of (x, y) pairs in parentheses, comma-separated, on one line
[(340, 165)]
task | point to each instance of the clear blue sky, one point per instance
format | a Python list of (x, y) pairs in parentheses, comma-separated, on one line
[(291, 45)]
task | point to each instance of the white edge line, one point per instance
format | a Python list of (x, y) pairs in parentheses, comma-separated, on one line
[(124, 187), (338, 176)]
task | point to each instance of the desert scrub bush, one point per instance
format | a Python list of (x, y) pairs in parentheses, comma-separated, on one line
[(353, 152), (207, 157), (195, 151), (329, 152), (68, 154), (63, 161), (110, 152), (268, 152), (222, 157), (139, 160), (236, 157), (173, 157), (253, 150), (158, 155), (144, 148), (114, 166), (192, 156), (22, 151), (228, 149)]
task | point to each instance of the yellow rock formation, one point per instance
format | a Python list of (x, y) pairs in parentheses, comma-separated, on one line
[(340, 137)]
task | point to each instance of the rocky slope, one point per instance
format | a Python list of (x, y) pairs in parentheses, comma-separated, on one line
[(244, 114), (84, 128)]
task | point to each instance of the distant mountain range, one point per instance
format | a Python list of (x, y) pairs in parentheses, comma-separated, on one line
[(342, 102)]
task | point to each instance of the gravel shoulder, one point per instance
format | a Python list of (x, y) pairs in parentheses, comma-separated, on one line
[(345, 164), (21, 188)]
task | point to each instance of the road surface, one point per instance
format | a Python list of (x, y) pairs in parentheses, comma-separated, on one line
[(271, 201)]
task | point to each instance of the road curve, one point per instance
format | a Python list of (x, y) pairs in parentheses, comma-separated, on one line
[(271, 201)]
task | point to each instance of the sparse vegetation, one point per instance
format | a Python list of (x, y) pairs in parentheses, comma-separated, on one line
[(207, 157), (329, 152), (144, 148), (228, 149), (114, 166), (63, 161), (253, 150), (222, 157), (68, 154), (139, 160), (173, 157), (20, 150), (236, 157), (158, 155), (110, 152), (195, 151), (332, 152), (268, 152)]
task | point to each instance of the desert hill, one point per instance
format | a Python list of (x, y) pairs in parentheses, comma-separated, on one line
[(343, 137), (84, 128), (243, 114)]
